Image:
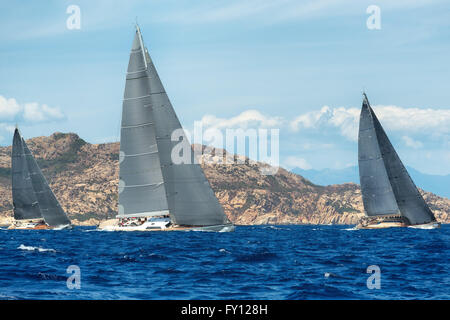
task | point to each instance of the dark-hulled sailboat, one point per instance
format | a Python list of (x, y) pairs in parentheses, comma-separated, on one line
[(390, 197), (154, 193), (35, 205)]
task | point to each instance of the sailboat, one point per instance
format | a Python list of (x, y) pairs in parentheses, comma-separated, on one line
[(390, 197), (154, 193), (35, 205)]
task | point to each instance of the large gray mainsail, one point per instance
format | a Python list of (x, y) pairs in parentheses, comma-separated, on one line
[(24, 199), (379, 161), (51, 210), (141, 184), (188, 194)]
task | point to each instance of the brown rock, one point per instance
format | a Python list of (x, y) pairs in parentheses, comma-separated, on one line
[(84, 178)]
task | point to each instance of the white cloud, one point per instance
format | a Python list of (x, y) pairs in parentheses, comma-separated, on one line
[(414, 119), (410, 142), (296, 162), (7, 127), (245, 120), (344, 119), (9, 108), (33, 112), (431, 122)]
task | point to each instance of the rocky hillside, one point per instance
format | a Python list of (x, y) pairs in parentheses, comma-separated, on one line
[(84, 178)]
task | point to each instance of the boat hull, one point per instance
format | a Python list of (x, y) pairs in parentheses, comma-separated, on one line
[(382, 225), (379, 223), (382, 222), (36, 226), (114, 226), (426, 226), (33, 224)]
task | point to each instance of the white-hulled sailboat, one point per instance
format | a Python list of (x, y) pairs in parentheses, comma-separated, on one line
[(390, 197), (154, 193), (35, 205)]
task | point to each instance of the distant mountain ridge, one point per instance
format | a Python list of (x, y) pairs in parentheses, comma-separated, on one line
[(439, 185)]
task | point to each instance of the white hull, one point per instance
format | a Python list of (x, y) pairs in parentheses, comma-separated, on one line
[(426, 226), (116, 227), (151, 226)]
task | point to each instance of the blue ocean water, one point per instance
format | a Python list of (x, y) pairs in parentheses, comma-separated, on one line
[(254, 262)]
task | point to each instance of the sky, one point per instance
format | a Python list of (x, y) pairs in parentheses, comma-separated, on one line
[(297, 66)]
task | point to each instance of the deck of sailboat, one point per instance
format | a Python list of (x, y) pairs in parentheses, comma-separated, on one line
[(22, 226)]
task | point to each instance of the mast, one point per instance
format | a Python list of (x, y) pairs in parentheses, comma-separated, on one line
[(24, 199), (408, 199), (51, 210)]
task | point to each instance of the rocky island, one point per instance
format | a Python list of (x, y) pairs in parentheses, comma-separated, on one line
[(84, 178)]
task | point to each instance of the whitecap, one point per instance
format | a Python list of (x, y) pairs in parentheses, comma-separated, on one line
[(272, 227), (30, 248), (330, 275)]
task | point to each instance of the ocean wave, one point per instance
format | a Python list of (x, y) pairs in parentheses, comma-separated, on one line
[(274, 228), (30, 248), (320, 291), (50, 276), (7, 297), (253, 263), (260, 256)]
